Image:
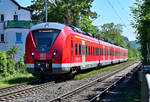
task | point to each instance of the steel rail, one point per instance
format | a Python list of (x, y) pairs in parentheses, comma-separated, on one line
[(99, 96), (70, 93), (24, 91)]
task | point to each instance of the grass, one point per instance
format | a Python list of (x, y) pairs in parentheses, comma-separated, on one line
[(16, 79), (81, 76)]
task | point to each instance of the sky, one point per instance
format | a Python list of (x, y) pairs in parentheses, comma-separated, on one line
[(116, 11)]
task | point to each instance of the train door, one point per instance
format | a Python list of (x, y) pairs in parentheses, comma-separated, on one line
[(83, 53)]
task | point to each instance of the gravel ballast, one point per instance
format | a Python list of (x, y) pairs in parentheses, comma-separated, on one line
[(60, 88)]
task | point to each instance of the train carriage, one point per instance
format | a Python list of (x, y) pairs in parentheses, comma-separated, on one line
[(54, 48)]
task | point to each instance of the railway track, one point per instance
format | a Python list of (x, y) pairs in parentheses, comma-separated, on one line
[(11, 92), (26, 89), (128, 76), (69, 94)]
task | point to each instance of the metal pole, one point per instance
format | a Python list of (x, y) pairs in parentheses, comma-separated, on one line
[(46, 9)]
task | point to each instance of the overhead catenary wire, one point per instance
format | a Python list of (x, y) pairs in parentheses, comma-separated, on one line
[(123, 9), (115, 11)]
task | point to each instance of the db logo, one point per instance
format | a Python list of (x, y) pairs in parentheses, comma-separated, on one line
[(43, 56)]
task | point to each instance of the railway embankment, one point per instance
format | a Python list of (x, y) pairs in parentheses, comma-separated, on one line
[(53, 91)]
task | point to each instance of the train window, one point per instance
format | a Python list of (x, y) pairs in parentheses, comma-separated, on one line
[(86, 50), (89, 50), (108, 51), (71, 47), (44, 38), (104, 51), (98, 51), (79, 49), (101, 51), (76, 49), (93, 51)]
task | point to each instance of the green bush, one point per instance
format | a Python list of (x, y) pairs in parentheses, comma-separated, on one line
[(8, 66), (20, 66), (3, 64)]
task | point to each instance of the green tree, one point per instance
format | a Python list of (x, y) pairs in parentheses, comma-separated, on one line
[(64, 11), (112, 33), (87, 26), (13, 51), (3, 64), (132, 52), (141, 22)]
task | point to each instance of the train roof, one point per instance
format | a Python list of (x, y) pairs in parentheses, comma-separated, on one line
[(47, 25)]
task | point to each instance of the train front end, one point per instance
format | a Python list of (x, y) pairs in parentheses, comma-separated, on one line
[(44, 45)]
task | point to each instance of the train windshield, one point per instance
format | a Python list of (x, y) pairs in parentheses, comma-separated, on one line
[(44, 38)]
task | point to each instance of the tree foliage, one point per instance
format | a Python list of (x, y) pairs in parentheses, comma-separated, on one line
[(8, 65), (64, 11), (132, 52), (141, 15), (87, 26), (112, 33)]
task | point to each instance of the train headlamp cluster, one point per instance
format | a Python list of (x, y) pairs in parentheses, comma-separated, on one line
[(54, 53), (32, 53)]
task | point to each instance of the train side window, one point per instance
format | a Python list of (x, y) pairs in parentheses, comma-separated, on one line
[(106, 51), (89, 50), (79, 49), (101, 51), (86, 50), (71, 47), (98, 51), (76, 49), (93, 51)]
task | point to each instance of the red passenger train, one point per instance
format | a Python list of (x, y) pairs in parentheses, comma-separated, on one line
[(54, 48)]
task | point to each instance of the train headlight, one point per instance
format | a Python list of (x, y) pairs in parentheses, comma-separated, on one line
[(32, 53), (54, 53)]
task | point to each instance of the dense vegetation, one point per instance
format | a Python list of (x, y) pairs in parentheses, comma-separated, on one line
[(141, 22), (8, 65), (112, 33), (63, 11)]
